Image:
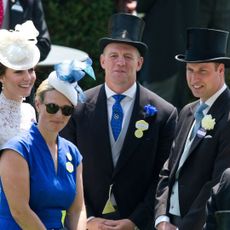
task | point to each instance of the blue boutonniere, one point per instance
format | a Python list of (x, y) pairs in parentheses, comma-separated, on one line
[(149, 110), (142, 125)]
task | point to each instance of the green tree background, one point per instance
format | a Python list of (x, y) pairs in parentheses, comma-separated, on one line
[(78, 24)]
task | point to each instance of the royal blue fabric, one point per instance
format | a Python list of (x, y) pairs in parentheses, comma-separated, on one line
[(117, 116), (50, 191)]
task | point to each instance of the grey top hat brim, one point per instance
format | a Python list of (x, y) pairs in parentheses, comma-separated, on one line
[(224, 60), (142, 47)]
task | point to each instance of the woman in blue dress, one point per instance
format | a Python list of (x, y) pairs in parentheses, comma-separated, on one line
[(41, 172)]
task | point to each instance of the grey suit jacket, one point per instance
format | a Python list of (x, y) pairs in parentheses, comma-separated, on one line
[(208, 157)]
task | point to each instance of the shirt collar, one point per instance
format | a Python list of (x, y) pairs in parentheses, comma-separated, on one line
[(213, 98), (128, 93)]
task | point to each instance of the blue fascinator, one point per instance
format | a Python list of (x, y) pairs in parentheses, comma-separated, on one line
[(66, 76)]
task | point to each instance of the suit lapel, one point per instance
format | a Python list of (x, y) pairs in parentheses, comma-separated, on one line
[(188, 119), (216, 113), (98, 118)]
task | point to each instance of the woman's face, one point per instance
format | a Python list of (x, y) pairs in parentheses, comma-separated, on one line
[(17, 83), (55, 121)]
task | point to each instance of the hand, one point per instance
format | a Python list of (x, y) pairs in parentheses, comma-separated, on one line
[(95, 223), (166, 226), (123, 224)]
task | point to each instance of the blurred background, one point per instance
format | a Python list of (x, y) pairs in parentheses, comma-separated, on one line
[(77, 24)]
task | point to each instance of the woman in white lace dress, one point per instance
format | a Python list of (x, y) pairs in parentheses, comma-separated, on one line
[(18, 56)]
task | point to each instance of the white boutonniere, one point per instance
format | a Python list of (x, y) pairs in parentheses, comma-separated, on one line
[(208, 122)]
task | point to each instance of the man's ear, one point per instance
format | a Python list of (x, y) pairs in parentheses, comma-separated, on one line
[(140, 63), (102, 61), (37, 105)]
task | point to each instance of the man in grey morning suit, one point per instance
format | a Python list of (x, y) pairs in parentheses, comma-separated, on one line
[(197, 161)]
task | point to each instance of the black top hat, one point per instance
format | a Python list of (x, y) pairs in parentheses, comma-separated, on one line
[(125, 28), (205, 45)]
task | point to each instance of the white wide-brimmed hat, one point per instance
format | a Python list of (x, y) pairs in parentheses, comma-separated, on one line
[(66, 76), (18, 48)]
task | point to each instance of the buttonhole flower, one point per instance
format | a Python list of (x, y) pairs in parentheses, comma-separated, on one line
[(208, 122), (142, 125), (149, 110)]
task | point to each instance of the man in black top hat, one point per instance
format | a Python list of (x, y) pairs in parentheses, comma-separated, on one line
[(124, 133), (201, 148)]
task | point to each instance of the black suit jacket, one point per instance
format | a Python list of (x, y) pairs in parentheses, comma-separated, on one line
[(219, 201), (208, 157), (135, 176), (32, 10)]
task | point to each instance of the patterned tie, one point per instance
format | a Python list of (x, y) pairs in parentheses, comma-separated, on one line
[(117, 116), (198, 117), (1, 13)]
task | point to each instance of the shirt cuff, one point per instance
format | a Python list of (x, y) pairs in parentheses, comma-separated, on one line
[(90, 218), (161, 219)]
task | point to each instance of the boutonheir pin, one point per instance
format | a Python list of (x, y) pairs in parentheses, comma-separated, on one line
[(142, 125), (207, 123)]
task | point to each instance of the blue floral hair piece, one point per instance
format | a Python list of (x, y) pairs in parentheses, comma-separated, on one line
[(150, 110), (73, 71)]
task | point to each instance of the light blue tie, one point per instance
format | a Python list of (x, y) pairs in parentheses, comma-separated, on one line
[(198, 117), (117, 116)]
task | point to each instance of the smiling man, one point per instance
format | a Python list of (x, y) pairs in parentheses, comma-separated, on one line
[(124, 133), (201, 148)]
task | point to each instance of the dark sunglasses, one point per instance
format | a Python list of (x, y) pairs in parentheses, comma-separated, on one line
[(66, 110)]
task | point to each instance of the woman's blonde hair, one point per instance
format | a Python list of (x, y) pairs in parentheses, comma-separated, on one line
[(42, 89)]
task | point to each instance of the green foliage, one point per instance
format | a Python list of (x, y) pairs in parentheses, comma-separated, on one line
[(79, 24)]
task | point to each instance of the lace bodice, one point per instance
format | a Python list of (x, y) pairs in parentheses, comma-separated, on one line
[(15, 117)]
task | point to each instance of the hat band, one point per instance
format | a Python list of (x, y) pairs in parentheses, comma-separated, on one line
[(193, 56)]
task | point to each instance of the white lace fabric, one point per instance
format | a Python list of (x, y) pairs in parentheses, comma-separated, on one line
[(15, 118)]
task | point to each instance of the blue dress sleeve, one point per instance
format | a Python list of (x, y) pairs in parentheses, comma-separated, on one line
[(19, 144)]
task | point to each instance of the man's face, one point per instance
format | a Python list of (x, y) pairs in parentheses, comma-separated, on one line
[(204, 79), (121, 63)]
